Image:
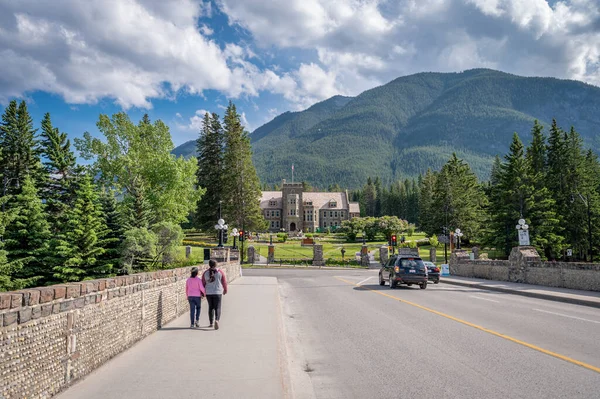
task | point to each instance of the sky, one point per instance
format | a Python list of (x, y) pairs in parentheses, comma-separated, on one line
[(177, 59)]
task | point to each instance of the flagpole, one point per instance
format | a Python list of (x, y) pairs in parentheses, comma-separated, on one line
[(292, 173)]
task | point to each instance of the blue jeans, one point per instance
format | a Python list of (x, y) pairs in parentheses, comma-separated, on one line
[(194, 308)]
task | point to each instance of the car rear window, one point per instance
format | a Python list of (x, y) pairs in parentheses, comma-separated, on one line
[(410, 263)]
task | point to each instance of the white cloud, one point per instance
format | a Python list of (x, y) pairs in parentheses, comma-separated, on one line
[(206, 31), (195, 122), (178, 115), (361, 43), (245, 122), (129, 50)]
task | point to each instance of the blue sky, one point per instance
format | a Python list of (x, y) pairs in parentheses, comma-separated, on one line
[(175, 59)]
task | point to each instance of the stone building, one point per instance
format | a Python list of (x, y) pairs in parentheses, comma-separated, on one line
[(292, 209)]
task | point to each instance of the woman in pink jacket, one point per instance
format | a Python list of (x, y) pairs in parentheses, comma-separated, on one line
[(194, 290)]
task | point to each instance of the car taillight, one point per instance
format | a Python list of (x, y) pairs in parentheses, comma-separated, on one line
[(436, 269), (397, 269)]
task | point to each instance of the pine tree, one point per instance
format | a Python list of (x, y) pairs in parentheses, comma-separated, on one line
[(210, 170), (8, 269), (545, 230), (135, 208), (115, 228), (458, 199), (81, 246), (27, 236), (20, 150), (377, 184), (241, 187), (59, 166), (370, 198), (427, 211)]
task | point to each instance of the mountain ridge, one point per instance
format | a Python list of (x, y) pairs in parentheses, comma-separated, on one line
[(400, 129)]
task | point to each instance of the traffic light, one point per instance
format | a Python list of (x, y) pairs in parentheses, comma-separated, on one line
[(394, 241), (225, 235), (241, 235)]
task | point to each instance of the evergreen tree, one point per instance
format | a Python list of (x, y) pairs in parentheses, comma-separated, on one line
[(135, 208), (370, 198), (81, 245), (545, 230), (20, 151), (27, 236), (59, 166), (458, 199), (8, 269), (377, 184), (210, 170), (115, 229), (427, 219), (241, 187)]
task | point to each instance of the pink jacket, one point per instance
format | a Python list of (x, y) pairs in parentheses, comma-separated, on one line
[(194, 287)]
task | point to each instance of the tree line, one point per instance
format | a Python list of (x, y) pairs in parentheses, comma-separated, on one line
[(553, 183), (121, 212)]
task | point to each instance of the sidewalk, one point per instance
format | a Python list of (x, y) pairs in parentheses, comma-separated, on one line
[(243, 359), (586, 298)]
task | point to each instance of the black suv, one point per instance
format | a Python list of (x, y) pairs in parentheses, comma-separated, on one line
[(404, 269)]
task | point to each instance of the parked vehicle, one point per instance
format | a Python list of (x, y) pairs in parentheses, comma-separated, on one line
[(433, 272), (404, 269)]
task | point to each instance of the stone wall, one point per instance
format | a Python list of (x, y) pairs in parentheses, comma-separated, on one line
[(52, 336), (525, 266)]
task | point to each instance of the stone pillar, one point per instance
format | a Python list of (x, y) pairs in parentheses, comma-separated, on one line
[(251, 253), (475, 251), (220, 254), (234, 254), (383, 254), (188, 252), (364, 256), (271, 256), (318, 255), (433, 254), (519, 260)]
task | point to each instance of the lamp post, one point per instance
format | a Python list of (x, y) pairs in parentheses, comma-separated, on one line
[(458, 234), (523, 229), (364, 238), (220, 227), (270, 239), (234, 234)]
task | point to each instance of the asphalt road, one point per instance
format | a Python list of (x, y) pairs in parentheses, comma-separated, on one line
[(345, 341)]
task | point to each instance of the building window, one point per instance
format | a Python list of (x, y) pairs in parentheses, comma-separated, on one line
[(272, 224), (336, 214), (277, 213), (342, 213), (330, 214)]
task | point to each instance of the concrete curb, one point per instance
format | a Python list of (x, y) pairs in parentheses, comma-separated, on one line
[(539, 295)]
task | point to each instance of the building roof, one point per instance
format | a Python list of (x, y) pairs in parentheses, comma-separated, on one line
[(268, 196), (321, 200), (354, 207)]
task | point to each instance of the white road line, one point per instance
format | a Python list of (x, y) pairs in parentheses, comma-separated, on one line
[(565, 315), (365, 280), (484, 299)]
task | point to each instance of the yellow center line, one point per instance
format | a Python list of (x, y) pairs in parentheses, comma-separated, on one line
[(487, 330)]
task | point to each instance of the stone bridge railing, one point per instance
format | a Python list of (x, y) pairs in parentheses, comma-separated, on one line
[(52, 336), (524, 265)]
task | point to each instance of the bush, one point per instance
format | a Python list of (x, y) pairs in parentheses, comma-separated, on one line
[(434, 242)]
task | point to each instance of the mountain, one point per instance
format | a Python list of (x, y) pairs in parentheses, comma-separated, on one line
[(415, 122)]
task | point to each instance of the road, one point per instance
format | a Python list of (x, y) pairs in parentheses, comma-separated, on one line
[(367, 341)]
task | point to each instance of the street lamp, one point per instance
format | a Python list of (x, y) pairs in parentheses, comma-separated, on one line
[(220, 227), (364, 238), (523, 229), (458, 234), (234, 234), (270, 239)]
